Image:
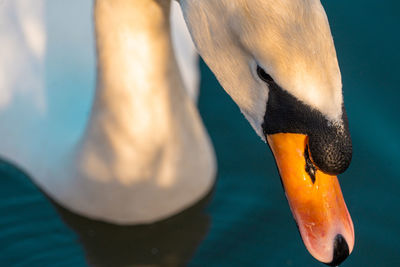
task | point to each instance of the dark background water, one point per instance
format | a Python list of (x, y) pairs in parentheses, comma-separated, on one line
[(246, 221)]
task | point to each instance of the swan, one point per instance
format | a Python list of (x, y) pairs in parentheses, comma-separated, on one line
[(144, 143), (144, 153)]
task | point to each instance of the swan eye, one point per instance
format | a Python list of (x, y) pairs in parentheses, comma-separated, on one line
[(264, 76)]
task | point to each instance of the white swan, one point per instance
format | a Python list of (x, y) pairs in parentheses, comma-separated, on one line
[(145, 154), (278, 63)]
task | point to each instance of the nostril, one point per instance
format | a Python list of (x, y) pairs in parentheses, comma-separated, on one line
[(340, 251), (310, 168)]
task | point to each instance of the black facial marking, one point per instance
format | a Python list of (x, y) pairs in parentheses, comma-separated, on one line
[(310, 168), (329, 144)]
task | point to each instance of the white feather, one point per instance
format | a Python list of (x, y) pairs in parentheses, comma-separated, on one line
[(290, 39), (185, 52), (144, 154)]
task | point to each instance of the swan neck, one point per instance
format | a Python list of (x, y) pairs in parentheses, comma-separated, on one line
[(138, 83), (134, 47)]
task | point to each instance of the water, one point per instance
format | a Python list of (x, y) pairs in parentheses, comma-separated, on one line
[(246, 221)]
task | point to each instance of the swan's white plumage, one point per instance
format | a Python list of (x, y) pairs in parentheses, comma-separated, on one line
[(145, 154), (290, 39), (185, 52), (23, 44)]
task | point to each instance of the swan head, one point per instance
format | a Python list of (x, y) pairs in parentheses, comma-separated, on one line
[(277, 61)]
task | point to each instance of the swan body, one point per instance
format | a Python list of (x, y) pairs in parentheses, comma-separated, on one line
[(144, 154)]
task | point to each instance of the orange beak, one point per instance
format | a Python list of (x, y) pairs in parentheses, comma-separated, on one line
[(315, 199)]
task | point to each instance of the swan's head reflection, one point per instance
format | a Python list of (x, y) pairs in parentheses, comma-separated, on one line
[(171, 242)]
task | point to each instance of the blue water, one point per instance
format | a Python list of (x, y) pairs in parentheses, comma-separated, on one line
[(246, 221)]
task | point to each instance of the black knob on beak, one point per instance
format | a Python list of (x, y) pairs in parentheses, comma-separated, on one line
[(331, 151)]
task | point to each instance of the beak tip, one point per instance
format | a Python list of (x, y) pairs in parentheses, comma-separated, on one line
[(341, 251)]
